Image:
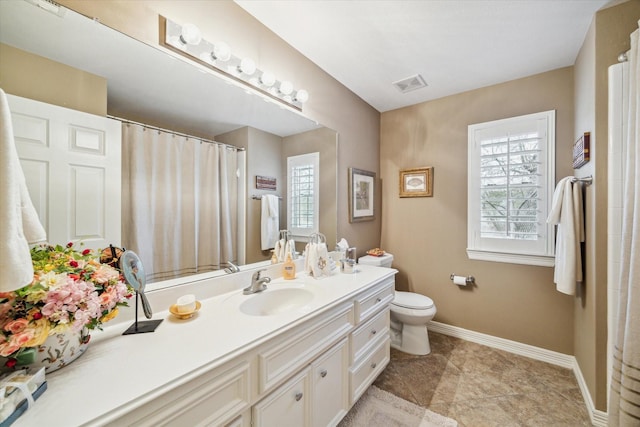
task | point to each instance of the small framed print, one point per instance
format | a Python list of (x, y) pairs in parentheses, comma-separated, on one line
[(416, 182), (361, 195)]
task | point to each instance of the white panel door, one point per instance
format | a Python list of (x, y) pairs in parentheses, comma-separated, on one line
[(330, 385), (71, 162)]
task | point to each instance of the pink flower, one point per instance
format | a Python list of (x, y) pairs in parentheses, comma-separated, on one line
[(7, 348), (106, 299), (16, 326), (86, 252), (104, 274), (22, 338)]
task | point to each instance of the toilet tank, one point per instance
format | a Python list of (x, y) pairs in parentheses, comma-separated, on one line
[(381, 261)]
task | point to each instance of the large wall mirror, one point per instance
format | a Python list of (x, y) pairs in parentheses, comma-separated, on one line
[(150, 86)]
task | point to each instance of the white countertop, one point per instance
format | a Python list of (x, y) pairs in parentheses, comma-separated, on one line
[(119, 373)]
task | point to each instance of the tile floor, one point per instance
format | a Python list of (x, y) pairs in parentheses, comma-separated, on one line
[(480, 386)]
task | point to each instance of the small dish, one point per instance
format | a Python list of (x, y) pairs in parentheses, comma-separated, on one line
[(376, 252), (174, 310)]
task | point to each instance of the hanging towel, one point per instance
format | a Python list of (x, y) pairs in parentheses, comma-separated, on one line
[(316, 263), (289, 248), (309, 257), (269, 221), (567, 213), (19, 223), (278, 250)]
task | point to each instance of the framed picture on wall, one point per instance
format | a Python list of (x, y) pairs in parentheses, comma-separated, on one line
[(416, 182), (362, 186)]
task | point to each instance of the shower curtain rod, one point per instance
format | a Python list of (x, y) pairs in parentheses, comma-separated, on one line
[(233, 147)]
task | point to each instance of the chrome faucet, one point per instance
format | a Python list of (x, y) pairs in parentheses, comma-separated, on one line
[(232, 268), (258, 284)]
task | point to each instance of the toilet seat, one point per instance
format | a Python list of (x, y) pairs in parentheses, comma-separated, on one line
[(412, 300)]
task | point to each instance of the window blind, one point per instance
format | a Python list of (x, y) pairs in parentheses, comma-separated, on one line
[(509, 186)]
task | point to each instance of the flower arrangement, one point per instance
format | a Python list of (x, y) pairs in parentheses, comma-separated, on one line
[(70, 289)]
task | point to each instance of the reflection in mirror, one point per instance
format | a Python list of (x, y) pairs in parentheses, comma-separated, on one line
[(147, 85)]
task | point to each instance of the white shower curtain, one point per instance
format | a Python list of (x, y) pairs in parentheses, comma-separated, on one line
[(179, 202), (624, 402)]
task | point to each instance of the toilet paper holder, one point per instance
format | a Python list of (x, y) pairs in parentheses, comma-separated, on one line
[(469, 280)]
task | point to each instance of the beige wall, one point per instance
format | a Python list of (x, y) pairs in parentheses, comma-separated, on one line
[(428, 236), (608, 36), (324, 142), (330, 103), (34, 77)]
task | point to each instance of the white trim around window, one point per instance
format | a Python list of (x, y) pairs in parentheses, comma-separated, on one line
[(303, 195), (511, 166)]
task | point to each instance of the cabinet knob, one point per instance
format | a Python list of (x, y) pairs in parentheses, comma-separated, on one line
[(373, 365), (373, 332), (323, 373), (298, 396), (378, 299)]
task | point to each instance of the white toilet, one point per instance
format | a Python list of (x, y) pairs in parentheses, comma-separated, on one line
[(410, 313)]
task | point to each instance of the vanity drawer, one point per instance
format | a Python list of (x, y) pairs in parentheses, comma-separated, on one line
[(373, 300), (214, 398), (363, 374), (288, 354), (369, 334)]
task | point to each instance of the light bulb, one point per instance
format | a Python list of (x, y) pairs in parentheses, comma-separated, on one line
[(190, 34), (267, 79), (221, 52), (247, 66), (286, 87), (302, 96)]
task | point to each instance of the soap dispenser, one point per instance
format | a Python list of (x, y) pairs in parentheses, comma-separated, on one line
[(289, 268)]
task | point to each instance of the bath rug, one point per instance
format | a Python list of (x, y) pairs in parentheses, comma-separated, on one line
[(378, 408)]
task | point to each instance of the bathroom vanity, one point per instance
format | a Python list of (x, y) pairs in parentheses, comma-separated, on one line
[(300, 353)]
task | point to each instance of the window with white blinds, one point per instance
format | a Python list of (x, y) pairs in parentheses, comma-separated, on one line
[(511, 179), (303, 194)]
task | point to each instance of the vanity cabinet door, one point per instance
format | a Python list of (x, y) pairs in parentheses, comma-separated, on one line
[(243, 420), (287, 406), (330, 386)]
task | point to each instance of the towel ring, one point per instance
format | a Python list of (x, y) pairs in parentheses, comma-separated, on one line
[(317, 238), (285, 235)]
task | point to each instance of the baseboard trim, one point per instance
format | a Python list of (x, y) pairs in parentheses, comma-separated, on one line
[(598, 418)]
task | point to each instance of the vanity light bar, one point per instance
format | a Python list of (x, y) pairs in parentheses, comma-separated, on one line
[(186, 41)]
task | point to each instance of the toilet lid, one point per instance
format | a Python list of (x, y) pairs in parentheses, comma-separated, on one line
[(412, 300)]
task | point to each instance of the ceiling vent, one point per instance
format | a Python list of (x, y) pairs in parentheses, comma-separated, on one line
[(410, 83)]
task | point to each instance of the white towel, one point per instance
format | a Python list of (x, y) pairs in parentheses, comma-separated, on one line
[(290, 249), (567, 213), (269, 221), (278, 250), (317, 262), (19, 223)]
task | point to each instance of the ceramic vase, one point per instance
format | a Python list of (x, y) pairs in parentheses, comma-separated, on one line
[(59, 350)]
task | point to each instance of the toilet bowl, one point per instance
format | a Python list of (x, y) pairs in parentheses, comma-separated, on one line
[(410, 313)]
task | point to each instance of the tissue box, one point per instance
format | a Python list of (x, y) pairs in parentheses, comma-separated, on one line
[(13, 402)]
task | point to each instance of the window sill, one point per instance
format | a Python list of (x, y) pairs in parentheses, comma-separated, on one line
[(537, 260)]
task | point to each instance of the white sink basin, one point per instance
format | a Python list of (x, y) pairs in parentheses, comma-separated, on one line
[(276, 301)]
